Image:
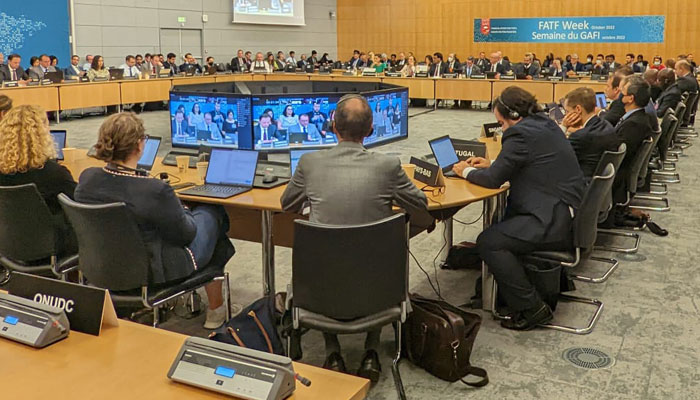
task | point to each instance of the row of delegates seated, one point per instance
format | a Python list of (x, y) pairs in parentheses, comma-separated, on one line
[(267, 132), (190, 65), (292, 122), (179, 239), (546, 188), (348, 185), (670, 93), (386, 121), (28, 155), (260, 65), (616, 111)]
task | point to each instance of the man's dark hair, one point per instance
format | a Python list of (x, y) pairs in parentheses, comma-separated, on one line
[(314, 52), (171, 55), (584, 97), (516, 99), (356, 52), (353, 121), (188, 55), (44, 55), (13, 56), (631, 55), (600, 55), (264, 115), (129, 57), (666, 77), (292, 52), (610, 56), (639, 88), (438, 55)]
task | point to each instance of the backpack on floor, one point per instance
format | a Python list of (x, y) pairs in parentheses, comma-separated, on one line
[(253, 328)]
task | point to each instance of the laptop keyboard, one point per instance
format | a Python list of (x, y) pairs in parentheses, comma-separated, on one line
[(232, 190)]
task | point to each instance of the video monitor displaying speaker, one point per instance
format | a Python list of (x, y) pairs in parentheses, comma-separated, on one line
[(293, 121), (389, 116), (212, 119)]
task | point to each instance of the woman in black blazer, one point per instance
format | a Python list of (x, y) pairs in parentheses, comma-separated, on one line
[(179, 240), (27, 155)]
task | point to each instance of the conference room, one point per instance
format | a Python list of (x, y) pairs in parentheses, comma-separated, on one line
[(255, 199)]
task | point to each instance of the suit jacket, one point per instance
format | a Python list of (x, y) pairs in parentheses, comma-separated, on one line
[(484, 64), (469, 71), (272, 132), (632, 131), (655, 91), (184, 127), (197, 68), (580, 67), (553, 72), (237, 66), (500, 68), (349, 185), (615, 112), (669, 98), (600, 69), (635, 67), (532, 70), (6, 74), (544, 177), (165, 226), (443, 69), (591, 141), (400, 64), (454, 67), (38, 72), (311, 131), (687, 83), (71, 71)]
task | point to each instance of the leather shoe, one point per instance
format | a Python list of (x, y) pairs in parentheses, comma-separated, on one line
[(335, 362), (370, 367), (528, 319)]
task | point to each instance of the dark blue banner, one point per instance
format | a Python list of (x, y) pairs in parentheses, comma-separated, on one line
[(638, 29), (33, 28)]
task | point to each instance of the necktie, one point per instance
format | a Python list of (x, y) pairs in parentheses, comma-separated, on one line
[(179, 128), (493, 68), (469, 71), (264, 133), (304, 129), (14, 74)]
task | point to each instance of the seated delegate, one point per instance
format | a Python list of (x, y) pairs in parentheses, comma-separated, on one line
[(670, 92), (179, 240), (27, 155), (589, 135), (348, 185), (546, 187)]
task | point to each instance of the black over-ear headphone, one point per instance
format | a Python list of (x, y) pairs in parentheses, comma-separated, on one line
[(512, 114)]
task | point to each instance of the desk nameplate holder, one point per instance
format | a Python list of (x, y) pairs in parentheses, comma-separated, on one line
[(31, 323), (428, 173), (466, 149), (491, 130), (233, 371)]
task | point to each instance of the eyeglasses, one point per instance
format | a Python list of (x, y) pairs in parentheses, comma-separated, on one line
[(435, 191)]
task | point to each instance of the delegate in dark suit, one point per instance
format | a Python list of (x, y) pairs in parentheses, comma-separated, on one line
[(669, 98), (181, 128), (523, 70), (499, 68), (6, 74), (589, 143), (687, 83), (545, 182), (469, 71), (438, 69), (239, 65), (272, 133), (615, 112), (632, 131), (166, 228)]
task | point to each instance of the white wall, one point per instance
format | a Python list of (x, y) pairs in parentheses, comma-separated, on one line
[(115, 28)]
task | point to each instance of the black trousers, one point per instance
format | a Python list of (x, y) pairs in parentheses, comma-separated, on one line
[(502, 253)]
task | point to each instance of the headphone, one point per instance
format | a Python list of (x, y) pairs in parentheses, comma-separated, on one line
[(512, 114), (121, 168)]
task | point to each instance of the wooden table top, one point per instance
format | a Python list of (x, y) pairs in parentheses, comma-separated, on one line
[(458, 192), (130, 362)]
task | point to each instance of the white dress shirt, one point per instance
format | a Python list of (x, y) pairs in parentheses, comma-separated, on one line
[(130, 71)]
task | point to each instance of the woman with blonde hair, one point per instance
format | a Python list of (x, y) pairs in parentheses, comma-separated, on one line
[(179, 240), (5, 105), (27, 155)]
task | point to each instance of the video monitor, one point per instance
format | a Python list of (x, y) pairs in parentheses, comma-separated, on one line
[(389, 116), (293, 121), (211, 119)]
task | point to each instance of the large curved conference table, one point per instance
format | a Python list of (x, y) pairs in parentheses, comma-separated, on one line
[(257, 215)]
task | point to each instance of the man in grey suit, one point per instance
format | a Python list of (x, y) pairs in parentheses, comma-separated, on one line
[(348, 185), (311, 131), (44, 67)]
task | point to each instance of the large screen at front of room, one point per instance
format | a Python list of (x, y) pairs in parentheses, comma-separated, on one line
[(389, 116), (210, 119), (296, 121), (270, 12)]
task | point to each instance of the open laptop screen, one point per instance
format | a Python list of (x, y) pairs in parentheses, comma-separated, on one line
[(601, 100), (59, 140), (444, 152), (232, 167), (150, 151)]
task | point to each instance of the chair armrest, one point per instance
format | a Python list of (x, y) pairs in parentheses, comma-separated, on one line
[(67, 265)]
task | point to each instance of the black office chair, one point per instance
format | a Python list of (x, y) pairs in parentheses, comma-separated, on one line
[(27, 235), (682, 109), (687, 129), (643, 201), (585, 230), (351, 279), (113, 256), (661, 162)]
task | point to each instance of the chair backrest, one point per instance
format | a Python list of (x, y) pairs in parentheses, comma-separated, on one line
[(640, 159), (691, 104), (595, 199), (655, 136), (347, 272), (110, 247), (26, 226), (669, 125), (611, 157)]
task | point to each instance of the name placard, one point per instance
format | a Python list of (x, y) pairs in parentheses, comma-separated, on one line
[(505, 77), (468, 148), (491, 130), (87, 308), (555, 78), (427, 173), (477, 76)]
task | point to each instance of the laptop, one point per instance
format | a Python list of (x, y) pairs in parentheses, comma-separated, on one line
[(54, 77), (59, 140), (116, 74), (150, 151), (231, 172), (445, 154), (601, 100), (297, 137)]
